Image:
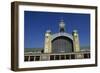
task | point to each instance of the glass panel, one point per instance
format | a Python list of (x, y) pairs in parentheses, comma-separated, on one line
[(62, 44), (57, 57), (87, 55), (26, 58), (72, 56), (62, 57), (52, 57), (31, 58), (37, 58), (67, 56)]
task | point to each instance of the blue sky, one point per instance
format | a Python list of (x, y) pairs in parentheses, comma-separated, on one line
[(37, 23)]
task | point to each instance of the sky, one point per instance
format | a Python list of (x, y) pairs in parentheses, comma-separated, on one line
[(37, 23)]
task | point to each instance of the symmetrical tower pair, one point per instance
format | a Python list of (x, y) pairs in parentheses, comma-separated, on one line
[(48, 39)]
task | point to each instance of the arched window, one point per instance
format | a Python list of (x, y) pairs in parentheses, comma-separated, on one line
[(62, 44)]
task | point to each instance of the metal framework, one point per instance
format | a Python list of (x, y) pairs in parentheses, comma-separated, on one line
[(62, 44)]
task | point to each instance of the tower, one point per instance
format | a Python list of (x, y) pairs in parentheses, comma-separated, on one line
[(76, 41), (47, 46), (62, 26)]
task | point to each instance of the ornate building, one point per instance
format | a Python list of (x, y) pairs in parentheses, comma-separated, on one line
[(61, 42), (59, 46)]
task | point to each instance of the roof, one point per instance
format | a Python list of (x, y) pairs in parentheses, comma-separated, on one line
[(62, 34), (33, 49)]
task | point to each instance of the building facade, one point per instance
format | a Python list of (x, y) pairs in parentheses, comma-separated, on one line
[(61, 42), (59, 46)]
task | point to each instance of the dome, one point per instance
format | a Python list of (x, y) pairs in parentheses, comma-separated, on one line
[(75, 31), (48, 31)]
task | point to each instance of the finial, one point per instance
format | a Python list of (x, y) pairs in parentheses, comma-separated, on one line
[(75, 31), (62, 25), (48, 31)]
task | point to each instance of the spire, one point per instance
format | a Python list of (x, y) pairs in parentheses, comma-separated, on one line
[(62, 25)]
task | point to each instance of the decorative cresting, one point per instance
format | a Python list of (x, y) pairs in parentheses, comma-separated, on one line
[(61, 34)]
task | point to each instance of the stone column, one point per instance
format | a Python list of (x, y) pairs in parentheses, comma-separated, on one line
[(47, 46), (76, 41), (76, 44), (28, 58)]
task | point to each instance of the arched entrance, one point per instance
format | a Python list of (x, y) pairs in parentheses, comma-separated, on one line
[(62, 44)]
